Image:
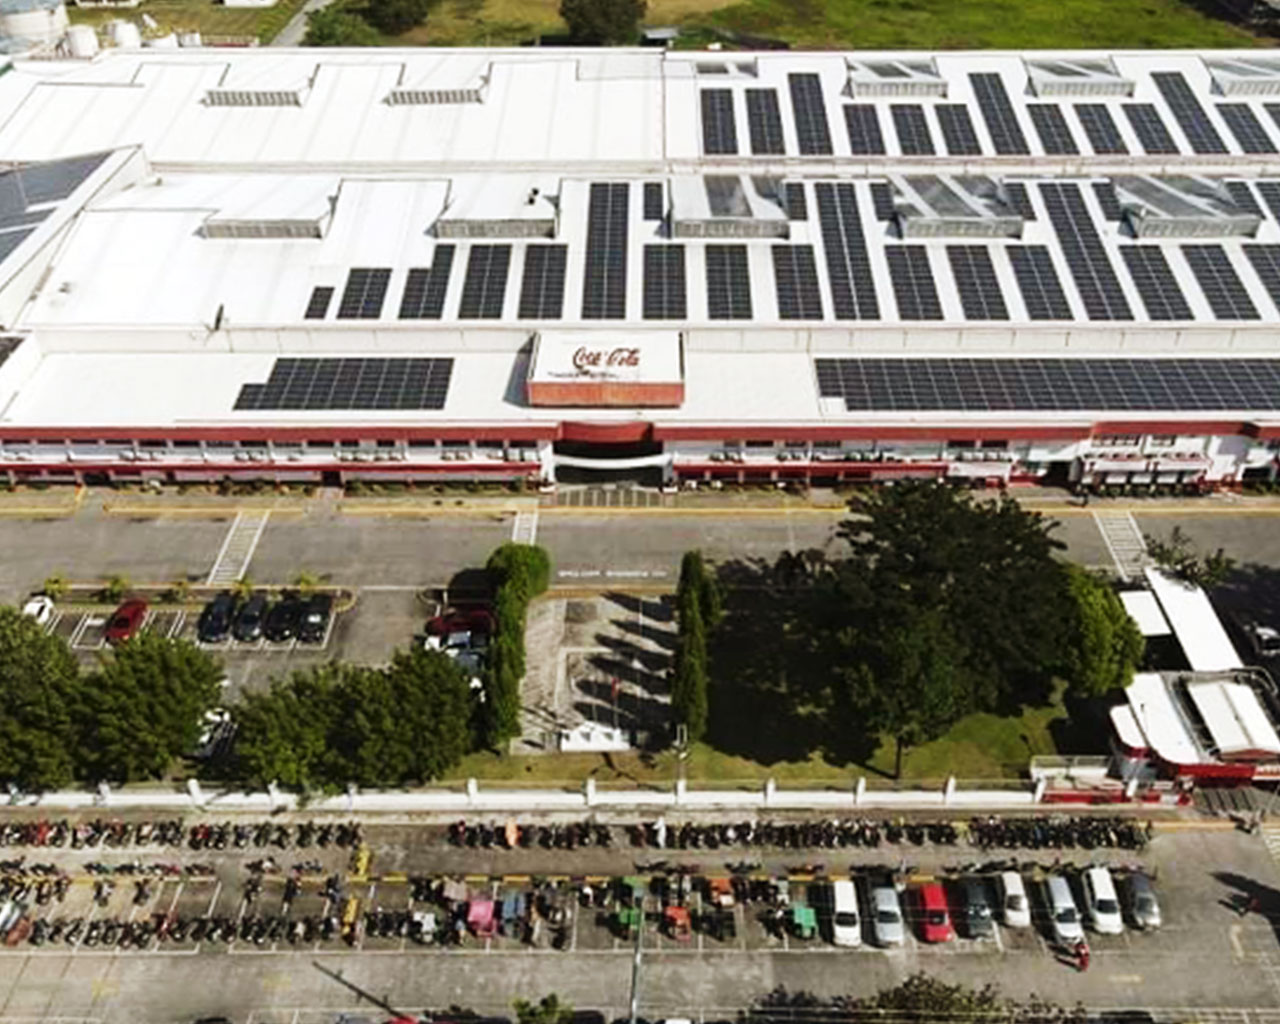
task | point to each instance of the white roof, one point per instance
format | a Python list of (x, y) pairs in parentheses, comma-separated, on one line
[(1126, 727), (632, 357), (1194, 622), (1157, 715), (1144, 609), (1235, 718)]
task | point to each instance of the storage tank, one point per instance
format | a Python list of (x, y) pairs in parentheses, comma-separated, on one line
[(33, 21), (169, 42), (125, 35), (82, 41)]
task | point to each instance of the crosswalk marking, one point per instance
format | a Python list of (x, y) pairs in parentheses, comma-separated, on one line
[(238, 547), (1271, 837), (525, 529), (1124, 542)]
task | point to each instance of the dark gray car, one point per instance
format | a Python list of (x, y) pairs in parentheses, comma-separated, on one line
[(976, 916), (1143, 905), (249, 620)]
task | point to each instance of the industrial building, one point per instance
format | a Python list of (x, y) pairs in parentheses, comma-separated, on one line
[(665, 267)]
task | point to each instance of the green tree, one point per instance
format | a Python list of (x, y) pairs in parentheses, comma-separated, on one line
[(695, 577), (39, 685), (56, 586), (115, 588), (1179, 557), (520, 572), (603, 22), (145, 707), (525, 567), (396, 16), (336, 26), (1105, 646), (548, 1010), (283, 733), (689, 678), (307, 582), (178, 592)]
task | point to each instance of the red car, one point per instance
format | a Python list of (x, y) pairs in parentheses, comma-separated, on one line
[(470, 620), (935, 921), (126, 620)]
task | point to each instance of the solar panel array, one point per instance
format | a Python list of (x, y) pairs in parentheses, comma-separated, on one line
[(719, 131), (653, 202), (764, 122), (1156, 284), (1038, 282), (809, 111), (318, 304), (664, 283), (1242, 195), (365, 291), (425, 287), (1016, 193), (1246, 127), (997, 111), (1270, 192), (1147, 124), (7, 348), (957, 129), (913, 286), (853, 291), (542, 287), (976, 283), (795, 275), (1052, 128), (1086, 257), (1051, 385), (882, 203), (1219, 282), (604, 286), (485, 286), (1100, 128), (795, 201), (1105, 193), (1273, 111), (728, 283), (863, 124), (1266, 264), (912, 129), (1188, 112), (335, 384)]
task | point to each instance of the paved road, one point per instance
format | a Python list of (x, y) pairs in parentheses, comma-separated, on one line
[(296, 28)]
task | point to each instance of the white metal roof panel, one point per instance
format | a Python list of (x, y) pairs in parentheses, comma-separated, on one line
[(1194, 622), (1144, 609)]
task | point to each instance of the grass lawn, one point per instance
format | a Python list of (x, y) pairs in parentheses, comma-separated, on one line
[(203, 16), (865, 24)]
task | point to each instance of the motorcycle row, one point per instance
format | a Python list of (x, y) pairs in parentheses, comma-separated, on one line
[(1043, 832), (173, 833)]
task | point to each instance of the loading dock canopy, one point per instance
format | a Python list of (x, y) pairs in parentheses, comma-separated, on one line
[(1144, 609), (1235, 719), (1195, 623)]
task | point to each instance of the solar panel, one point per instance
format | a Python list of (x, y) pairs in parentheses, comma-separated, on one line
[(913, 286), (542, 287), (10, 240), (863, 124), (1246, 128), (728, 283), (976, 282), (23, 218), (1049, 384), (997, 111), (795, 276), (363, 295), (1086, 258), (797, 204), (1270, 192), (1016, 193), (764, 121), (719, 132), (653, 203), (328, 384), (1219, 282), (1186, 110), (425, 287), (1052, 128), (1038, 282), (1266, 264), (912, 128), (1242, 195), (853, 291), (485, 286), (1100, 128), (664, 287), (57, 179), (318, 304), (810, 114), (1105, 193), (1147, 124), (1156, 284), (882, 200), (604, 285), (957, 129)]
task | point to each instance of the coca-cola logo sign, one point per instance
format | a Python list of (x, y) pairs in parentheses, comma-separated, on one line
[(592, 360)]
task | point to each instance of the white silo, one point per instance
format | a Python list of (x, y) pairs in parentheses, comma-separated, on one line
[(33, 21), (125, 35), (82, 41)]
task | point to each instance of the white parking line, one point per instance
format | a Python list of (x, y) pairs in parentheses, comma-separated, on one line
[(179, 621)]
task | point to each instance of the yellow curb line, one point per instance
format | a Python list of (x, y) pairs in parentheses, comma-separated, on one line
[(589, 510), (423, 512), (145, 511)]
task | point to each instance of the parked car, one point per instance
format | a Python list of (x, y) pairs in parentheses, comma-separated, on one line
[(978, 920), (283, 619), (39, 608), (935, 920), (215, 618), (1101, 905), (1063, 915), (250, 618), (126, 620), (886, 917), (1263, 640), (460, 620), (846, 924), (1144, 908), (315, 618), (1014, 907)]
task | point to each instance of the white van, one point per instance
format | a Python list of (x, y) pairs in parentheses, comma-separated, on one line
[(1101, 905), (1014, 908), (846, 927), (1062, 911)]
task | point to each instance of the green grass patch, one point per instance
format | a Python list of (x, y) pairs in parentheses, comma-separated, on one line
[(203, 16)]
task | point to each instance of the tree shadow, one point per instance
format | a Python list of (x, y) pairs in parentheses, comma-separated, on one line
[(664, 638), (658, 611), (1086, 728), (623, 659)]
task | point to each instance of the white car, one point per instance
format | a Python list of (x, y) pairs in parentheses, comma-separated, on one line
[(39, 608), (1015, 911), (1101, 905), (846, 927), (886, 917), (1067, 929)]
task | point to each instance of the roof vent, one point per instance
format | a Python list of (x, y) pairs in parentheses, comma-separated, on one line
[(1246, 75), (215, 228), (932, 206), (1182, 207), (895, 78), (1077, 78), (433, 97), (723, 206)]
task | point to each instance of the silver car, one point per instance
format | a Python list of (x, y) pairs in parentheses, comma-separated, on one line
[(887, 927), (1143, 904)]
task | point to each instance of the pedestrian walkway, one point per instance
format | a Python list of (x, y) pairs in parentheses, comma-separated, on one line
[(1271, 837), (1124, 541), (610, 497), (238, 547), (525, 528)]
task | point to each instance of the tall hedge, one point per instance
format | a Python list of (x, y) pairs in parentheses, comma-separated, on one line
[(520, 573)]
